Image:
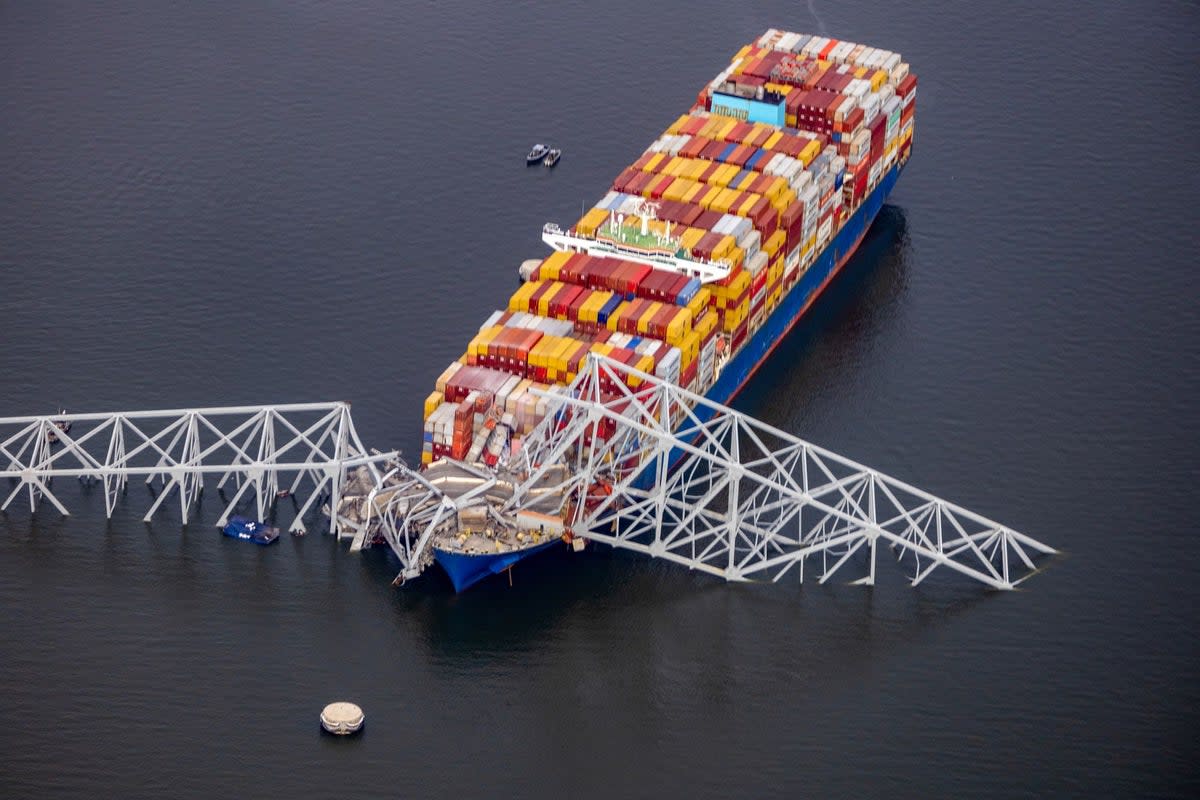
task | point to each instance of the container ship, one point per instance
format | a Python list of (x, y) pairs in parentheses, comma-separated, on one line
[(702, 255)]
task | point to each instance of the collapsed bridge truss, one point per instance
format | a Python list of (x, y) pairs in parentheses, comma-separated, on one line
[(307, 448)]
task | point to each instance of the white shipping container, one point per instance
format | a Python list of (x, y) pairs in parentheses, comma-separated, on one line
[(858, 89), (766, 38), (891, 62), (493, 319), (900, 72), (750, 241), (743, 225), (758, 263), (824, 231)]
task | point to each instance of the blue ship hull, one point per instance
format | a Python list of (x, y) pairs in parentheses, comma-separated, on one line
[(466, 570)]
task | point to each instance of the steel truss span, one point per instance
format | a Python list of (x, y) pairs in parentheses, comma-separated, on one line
[(253, 451), (683, 478)]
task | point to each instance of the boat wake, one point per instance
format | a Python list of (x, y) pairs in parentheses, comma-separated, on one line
[(812, 9)]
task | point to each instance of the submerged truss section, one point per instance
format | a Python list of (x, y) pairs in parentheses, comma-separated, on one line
[(250, 451), (661, 471)]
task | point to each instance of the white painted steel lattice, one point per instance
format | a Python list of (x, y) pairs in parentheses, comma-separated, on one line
[(258, 448), (745, 501)]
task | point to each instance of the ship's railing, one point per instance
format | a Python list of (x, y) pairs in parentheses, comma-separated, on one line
[(706, 271)]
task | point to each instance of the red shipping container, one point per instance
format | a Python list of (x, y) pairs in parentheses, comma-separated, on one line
[(758, 282), (878, 128), (643, 162), (694, 147), (712, 150), (624, 179), (708, 172), (707, 220), (572, 269), (640, 181), (678, 284), (657, 188), (560, 305), (533, 299), (658, 324)]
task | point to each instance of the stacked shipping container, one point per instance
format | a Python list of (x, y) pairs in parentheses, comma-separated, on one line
[(762, 198)]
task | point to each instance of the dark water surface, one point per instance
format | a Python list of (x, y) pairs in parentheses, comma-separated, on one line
[(309, 201)]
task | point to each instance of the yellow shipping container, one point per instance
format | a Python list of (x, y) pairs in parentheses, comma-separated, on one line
[(700, 301), (745, 51), (676, 166), (770, 143), (590, 221), (708, 127), (643, 323), (777, 188), (860, 72), (677, 189), (736, 256), (791, 120), (652, 164), (537, 354), (696, 191), (724, 247), (679, 327), (723, 200), (706, 200), (479, 345), (810, 151), (432, 402), (520, 298), (743, 209), (616, 315), (730, 172), (678, 124), (726, 128), (775, 243), (775, 270), (696, 168), (878, 79), (543, 303), (706, 323), (688, 239), (426, 457), (553, 264)]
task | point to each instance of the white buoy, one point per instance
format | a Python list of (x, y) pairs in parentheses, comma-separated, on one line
[(342, 718)]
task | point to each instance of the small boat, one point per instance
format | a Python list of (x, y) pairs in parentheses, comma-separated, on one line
[(61, 425), (538, 152), (250, 530), (552, 157)]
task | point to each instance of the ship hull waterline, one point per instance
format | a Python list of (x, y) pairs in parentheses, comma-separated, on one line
[(466, 570)]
